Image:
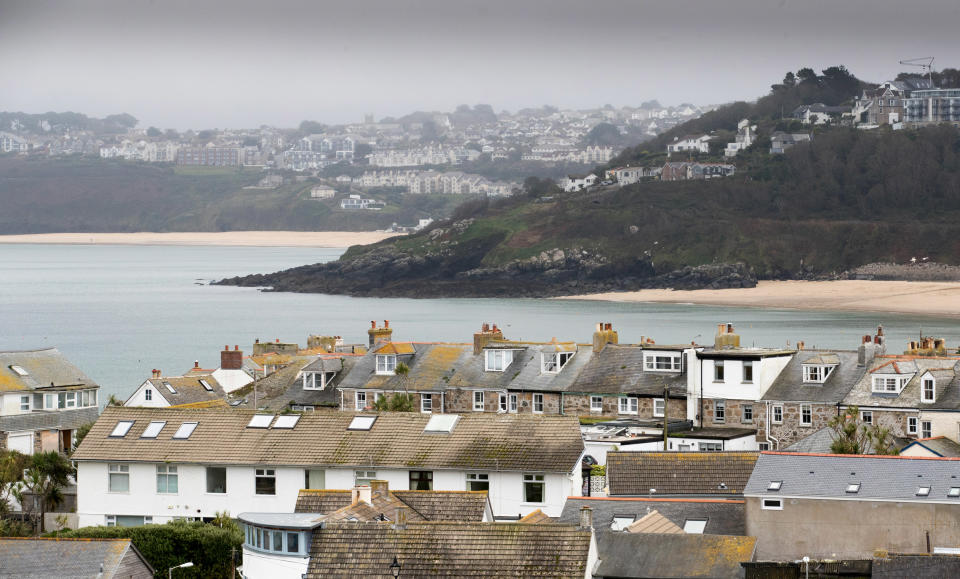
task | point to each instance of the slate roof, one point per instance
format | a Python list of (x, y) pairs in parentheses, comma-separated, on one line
[(619, 368), (285, 387), (679, 473), (463, 506), (946, 371), (724, 516), (44, 367), (188, 388), (939, 445), (881, 477), (64, 558), (789, 384), (669, 555), (49, 420), (396, 439), (819, 442), (449, 549)]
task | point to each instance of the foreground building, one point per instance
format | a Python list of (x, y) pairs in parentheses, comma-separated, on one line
[(50, 557), (151, 465)]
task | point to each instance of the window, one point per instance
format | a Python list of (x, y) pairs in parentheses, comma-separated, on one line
[(928, 390), (888, 384), (662, 362), (148, 394), (286, 421), (478, 481), (478, 400), (806, 415), (293, 542), (153, 429), (497, 360), (122, 428), (718, 370), (360, 400), (166, 479), (25, 403), (363, 477), (71, 400), (533, 488), (216, 480), (19, 370), (206, 385), (748, 371), (772, 504), (778, 414), (658, 407), (711, 447), (912, 425), (127, 521), (720, 411), (694, 526), (185, 430), (923, 491), (596, 404), (553, 363), (954, 492), (426, 403), (362, 423), (763, 446), (502, 401), (265, 481), (421, 480), (314, 478), (50, 401), (775, 485), (866, 416), (514, 403), (312, 381), (816, 374), (853, 488), (386, 363), (260, 421), (170, 387), (628, 405), (538, 403), (621, 522), (746, 413), (119, 478), (926, 429)]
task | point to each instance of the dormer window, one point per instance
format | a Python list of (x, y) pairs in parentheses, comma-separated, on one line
[(928, 389), (889, 384), (816, 374), (663, 362), (312, 381), (497, 360), (553, 363), (386, 364)]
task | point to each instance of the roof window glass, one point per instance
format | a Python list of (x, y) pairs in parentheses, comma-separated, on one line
[(287, 421), (19, 370), (853, 487), (260, 421), (206, 385), (954, 492), (169, 387), (153, 429), (362, 423), (775, 485), (442, 423), (923, 491), (122, 428), (185, 430)]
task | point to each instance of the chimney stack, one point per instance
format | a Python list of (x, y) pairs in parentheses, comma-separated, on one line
[(231, 359), (376, 334), (586, 518), (800, 345), (379, 488), (401, 523), (603, 335), (725, 337), (361, 493), (196, 363), (486, 335)]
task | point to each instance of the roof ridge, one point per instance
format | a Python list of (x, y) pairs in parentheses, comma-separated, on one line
[(893, 456), (75, 539), (660, 499)]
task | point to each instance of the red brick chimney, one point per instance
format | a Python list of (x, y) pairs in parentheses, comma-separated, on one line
[(231, 359)]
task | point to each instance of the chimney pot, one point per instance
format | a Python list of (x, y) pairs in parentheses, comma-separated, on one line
[(373, 325), (386, 323), (236, 347), (226, 347), (196, 363)]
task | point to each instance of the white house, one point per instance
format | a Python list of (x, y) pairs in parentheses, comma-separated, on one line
[(140, 465), (746, 135), (577, 182), (691, 143), (163, 391)]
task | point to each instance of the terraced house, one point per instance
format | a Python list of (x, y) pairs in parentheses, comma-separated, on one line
[(140, 465), (44, 399)]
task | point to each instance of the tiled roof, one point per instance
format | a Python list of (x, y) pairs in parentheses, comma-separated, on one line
[(620, 369), (654, 522), (285, 387), (189, 389), (629, 555), (945, 370), (396, 439), (724, 516), (679, 473), (462, 506), (880, 477), (939, 445), (322, 501), (535, 517), (446, 505), (65, 558), (789, 384), (45, 368), (449, 549)]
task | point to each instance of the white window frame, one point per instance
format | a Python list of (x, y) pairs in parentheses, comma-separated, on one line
[(537, 402), (478, 400), (148, 394), (118, 472), (426, 403), (747, 364), (816, 373), (514, 403), (535, 479), (719, 375), (553, 363), (771, 504), (167, 473), (502, 404), (596, 404), (386, 364), (809, 422), (479, 478), (360, 400), (661, 403), (888, 384), (25, 403), (628, 405), (912, 422), (743, 413), (363, 477), (497, 360), (663, 362), (933, 389), (777, 409), (720, 411), (310, 381), (265, 473)]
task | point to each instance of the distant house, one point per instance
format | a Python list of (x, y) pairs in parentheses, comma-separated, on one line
[(53, 557), (10, 143), (44, 399), (690, 143), (163, 391), (572, 183), (322, 192), (687, 170), (780, 141), (630, 175), (818, 113), (746, 135), (357, 202), (938, 446), (850, 506), (884, 104)]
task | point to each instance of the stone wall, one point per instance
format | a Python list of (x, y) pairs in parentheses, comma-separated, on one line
[(733, 413), (790, 430)]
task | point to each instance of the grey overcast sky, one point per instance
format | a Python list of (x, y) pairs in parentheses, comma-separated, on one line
[(242, 63)]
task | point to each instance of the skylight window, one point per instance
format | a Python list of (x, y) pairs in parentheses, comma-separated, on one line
[(775, 485), (153, 429), (185, 430), (287, 421), (362, 423), (260, 421), (19, 370), (923, 491), (169, 387), (694, 526), (206, 385), (122, 428), (953, 492), (441, 423), (853, 487)]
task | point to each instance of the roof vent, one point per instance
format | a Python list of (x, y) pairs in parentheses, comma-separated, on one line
[(362, 423), (122, 428), (441, 423), (260, 421), (287, 421), (185, 430)]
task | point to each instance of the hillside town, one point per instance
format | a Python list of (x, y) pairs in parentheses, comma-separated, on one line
[(629, 457)]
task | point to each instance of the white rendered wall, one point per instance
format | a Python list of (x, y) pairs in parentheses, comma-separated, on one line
[(138, 398), (257, 565)]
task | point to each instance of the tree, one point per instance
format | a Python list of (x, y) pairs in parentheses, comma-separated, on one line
[(361, 150), (12, 465), (312, 127), (48, 474), (603, 134), (81, 433), (154, 132), (807, 75), (171, 134), (851, 436), (396, 402), (789, 80)]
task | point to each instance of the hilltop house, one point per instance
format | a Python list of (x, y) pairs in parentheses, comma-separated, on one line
[(686, 170), (746, 135), (818, 113), (572, 183), (884, 104), (140, 465), (690, 143), (44, 399), (780, 141)]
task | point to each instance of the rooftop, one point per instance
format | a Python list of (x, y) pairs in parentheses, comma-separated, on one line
[(679, 473), (37, 369)]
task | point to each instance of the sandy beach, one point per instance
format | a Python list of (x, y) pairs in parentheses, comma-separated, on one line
[(922, 298), (229, 238)]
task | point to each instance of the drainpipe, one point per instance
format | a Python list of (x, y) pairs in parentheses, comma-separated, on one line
[(767, 412), (701, 395)]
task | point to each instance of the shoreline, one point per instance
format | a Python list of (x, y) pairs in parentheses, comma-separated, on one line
[(327, 239), (926, 298)]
